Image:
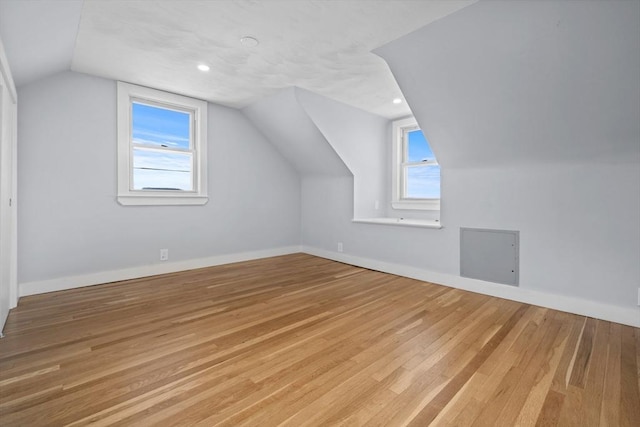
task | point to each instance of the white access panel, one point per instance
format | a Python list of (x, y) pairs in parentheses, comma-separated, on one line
[(490, 255)]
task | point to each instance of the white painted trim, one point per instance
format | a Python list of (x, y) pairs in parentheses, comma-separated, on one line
[(5, 70), (161, 200), (399, 129), (13, 282), (70, 282), (7, 78), (404, 222), (126, 94), (626, 316), (424, 205)]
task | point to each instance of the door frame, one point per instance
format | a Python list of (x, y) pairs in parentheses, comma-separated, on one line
[(9, 119)]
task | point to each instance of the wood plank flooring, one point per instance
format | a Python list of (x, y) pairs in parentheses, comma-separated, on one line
[(303, 341)]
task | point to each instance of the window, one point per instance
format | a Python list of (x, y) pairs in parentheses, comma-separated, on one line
[(162, 156), (416, 173)]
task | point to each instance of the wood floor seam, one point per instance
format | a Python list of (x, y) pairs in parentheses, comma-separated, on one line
[(298, 340)]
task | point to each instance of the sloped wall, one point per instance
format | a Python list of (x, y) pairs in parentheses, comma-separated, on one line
[(502, 83), (324, 138), (532, 109), (361, 140), (281, 118)]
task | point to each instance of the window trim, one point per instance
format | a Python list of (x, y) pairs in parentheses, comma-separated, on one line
[(127, 94), (399, 129)]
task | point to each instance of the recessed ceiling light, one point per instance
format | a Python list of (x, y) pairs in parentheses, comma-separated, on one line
[(203, 67), (249, 41), (397, 101)]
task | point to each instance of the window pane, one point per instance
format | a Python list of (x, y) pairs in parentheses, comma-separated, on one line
[(422, 182), (162, 170), (417, 147), (160, 127)]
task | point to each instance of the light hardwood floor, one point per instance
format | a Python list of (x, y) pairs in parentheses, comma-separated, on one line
[(299, 340)]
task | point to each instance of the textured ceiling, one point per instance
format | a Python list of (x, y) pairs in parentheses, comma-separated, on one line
[(323, 46)]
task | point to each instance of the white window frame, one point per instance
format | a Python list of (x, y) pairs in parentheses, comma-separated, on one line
[(129, 93), (398, 201)]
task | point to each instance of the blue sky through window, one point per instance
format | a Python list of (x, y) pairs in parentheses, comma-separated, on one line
[(160, 126), (168, 168), (418, 148), (422, 181)]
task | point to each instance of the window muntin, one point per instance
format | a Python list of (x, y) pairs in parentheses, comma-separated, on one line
[(421, 173), (161, 147), (416, 173)]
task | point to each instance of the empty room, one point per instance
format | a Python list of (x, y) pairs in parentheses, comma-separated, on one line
[(320, 213)]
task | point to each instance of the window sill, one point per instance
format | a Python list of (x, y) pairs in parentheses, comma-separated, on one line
[(162, 200), (403, 222)]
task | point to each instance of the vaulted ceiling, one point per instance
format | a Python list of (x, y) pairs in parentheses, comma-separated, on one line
[(496, 83), (323, 46), (526, 82)]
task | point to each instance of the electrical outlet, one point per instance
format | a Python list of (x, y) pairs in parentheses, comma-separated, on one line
[(376, 205), (638, 296), (339, 246), (164, 254)]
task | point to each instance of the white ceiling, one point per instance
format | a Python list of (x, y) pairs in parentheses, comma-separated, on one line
[(526, 83), (320, 45), (38, 36)]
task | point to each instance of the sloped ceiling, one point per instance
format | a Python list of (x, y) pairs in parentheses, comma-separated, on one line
[(495, 83), (282, 119), (38, 36), (323, 46), (521, 82)]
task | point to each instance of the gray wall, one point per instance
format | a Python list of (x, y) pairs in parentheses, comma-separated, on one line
[(362, 148), (532, 109), (70, 222), (579, 225), (503, 83), (289, 128), (533, 116), (313, 132)]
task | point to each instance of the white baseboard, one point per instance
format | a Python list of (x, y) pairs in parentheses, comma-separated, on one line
[(70, 282), (626, 316)]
